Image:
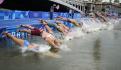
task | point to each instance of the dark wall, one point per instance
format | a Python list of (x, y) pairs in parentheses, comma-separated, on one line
[(33, 5)]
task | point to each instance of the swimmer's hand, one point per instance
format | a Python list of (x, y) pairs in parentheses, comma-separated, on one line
[(43, 21), (58, 18), (5, 33)]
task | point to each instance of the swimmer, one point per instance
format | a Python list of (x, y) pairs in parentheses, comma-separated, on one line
[(59, 26), (102, 18), (25, 45), (52, 41), (45, 23), (20, 42), (73, 21)]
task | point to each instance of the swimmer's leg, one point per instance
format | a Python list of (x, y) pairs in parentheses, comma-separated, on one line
[(20, 42)]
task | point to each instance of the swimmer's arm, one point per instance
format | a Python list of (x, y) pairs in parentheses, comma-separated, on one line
[(75, 23), (52, 44), (48, 29), (65, 27), (62, 18)]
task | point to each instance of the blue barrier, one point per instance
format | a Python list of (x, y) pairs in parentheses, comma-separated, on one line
[(11, 15)]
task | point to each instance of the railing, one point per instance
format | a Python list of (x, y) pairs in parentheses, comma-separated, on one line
[(77, 5)]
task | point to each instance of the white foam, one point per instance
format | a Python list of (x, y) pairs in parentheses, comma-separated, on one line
[(74, 32), (23, 49), (41, 48), (64, 47), (90, 25), (96, 25)]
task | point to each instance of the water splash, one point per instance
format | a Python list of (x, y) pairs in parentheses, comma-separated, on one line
[(64, 47), (41, 48), (74, 32), (90, 25)]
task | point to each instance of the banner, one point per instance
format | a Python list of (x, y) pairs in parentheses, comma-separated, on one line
[(11, 15)]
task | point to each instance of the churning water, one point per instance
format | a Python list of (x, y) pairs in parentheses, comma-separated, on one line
[(93, 51)]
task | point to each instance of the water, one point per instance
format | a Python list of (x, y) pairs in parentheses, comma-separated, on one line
[(95, 51), (98, 51)]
